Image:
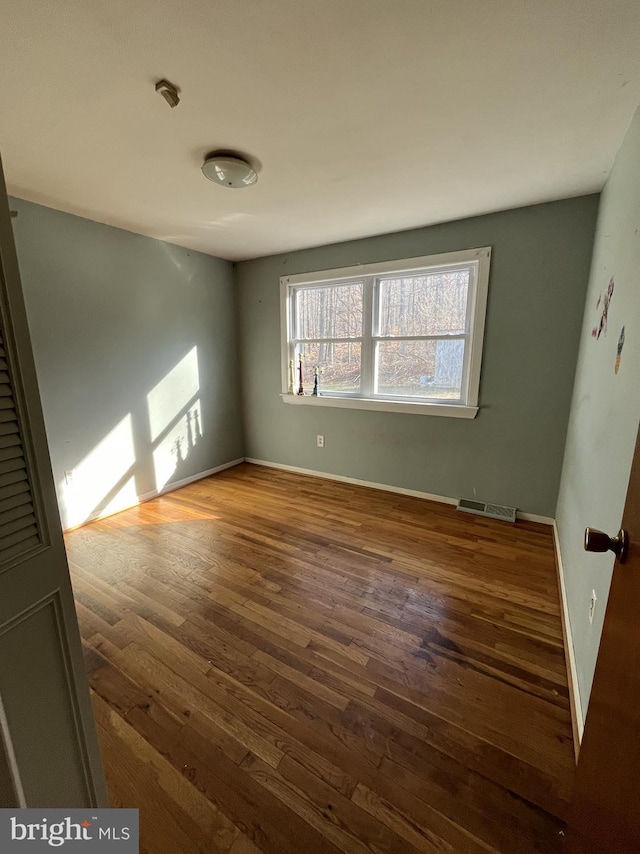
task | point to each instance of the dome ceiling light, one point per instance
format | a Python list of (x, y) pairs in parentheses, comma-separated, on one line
[(229, 171)]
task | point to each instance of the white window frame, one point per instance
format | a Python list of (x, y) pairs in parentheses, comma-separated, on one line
[(476, 260)]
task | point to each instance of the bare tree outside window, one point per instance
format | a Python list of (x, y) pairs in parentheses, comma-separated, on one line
[(329, 319), (416, 351), (430, 304)]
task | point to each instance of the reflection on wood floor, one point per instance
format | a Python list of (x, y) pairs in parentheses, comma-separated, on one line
[(281, 663)]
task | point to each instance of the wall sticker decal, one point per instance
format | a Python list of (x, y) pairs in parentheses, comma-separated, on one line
[(603, 305), (619, 353)]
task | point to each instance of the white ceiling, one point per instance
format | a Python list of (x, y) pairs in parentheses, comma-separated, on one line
[(363, 116)]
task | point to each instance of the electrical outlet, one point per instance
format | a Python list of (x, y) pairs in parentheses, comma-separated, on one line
[(68, 477), (592, 605), (320, 441)]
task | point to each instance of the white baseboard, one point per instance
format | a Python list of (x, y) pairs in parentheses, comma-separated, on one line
[(156, 493), (577, 717), (178, 484), (534, 517), (344, 479), (429, 496)]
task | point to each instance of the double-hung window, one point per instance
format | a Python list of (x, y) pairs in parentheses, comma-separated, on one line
[(403, 335)]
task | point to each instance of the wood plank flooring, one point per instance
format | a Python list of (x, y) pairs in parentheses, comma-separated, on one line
[(282, 663)]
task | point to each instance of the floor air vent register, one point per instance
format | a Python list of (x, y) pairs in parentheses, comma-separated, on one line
[(493, 511)]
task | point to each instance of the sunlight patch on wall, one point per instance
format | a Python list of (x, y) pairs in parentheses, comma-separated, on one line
[(173, 393), (125, 497), (175, 447), (98, 473)]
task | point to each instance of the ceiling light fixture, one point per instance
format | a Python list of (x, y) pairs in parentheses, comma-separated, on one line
[(229, 171)]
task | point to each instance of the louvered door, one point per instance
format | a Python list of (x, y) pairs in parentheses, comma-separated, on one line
[(18, 528), (48, 748)]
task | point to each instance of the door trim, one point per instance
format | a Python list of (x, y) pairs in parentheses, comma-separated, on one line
[(577, 717)]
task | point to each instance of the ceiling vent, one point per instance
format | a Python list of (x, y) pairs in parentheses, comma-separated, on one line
[(492, 511)]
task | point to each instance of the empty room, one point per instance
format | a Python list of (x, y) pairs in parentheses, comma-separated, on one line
[(319, 410)]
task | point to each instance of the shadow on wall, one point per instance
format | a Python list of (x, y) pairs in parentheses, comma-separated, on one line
[(135, 349), (112, 476)]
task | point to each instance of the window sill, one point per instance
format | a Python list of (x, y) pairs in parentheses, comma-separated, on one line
[(447, 410)]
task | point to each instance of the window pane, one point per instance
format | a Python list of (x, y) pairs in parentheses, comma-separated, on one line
[(420, 368), (429, 304), (339, 363), (330, 312)]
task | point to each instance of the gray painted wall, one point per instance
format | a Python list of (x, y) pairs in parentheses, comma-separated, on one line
[(111, 315), (512, 452), (605, 408)]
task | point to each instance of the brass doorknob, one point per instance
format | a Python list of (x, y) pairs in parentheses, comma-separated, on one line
[(598, 541)]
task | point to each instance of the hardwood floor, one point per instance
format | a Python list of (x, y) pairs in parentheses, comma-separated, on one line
[(281, 663)]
